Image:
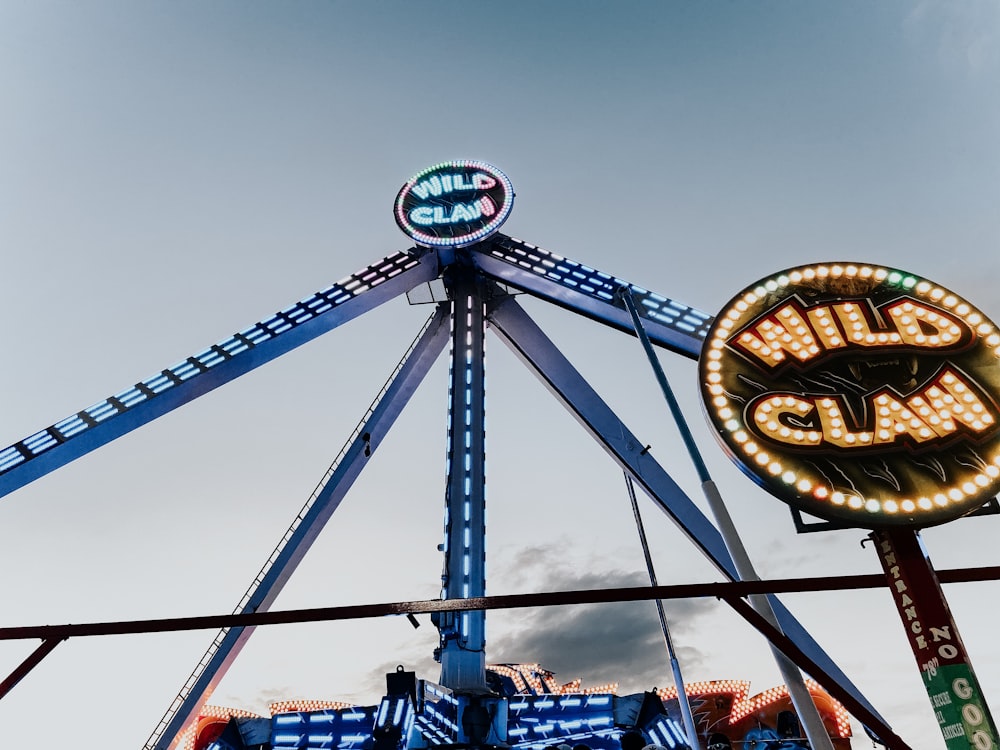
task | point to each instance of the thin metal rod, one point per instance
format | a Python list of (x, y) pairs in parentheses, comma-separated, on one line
[(682, 698), (806, 709), (33, 660)]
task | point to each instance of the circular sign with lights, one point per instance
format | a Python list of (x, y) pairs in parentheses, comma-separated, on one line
[(858, 394), (454, 204)]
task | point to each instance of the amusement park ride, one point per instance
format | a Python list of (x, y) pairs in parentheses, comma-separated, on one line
[(453, 212)]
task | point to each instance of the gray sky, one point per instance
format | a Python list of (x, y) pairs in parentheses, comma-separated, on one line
[(173, 172)]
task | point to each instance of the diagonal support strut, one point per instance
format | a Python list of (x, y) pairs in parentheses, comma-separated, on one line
[(34, 659), (304, 530)]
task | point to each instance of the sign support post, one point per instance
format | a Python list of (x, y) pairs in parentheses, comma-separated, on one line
[(951, 684)]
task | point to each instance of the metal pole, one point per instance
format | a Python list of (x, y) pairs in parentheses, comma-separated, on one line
[(682, 699), (960, 707), (807, 712)]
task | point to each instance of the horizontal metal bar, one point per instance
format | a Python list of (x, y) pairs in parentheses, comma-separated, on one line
[(722, 590)]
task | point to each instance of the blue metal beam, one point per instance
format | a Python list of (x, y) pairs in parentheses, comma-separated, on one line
[(522, 335), (591, 293), (463, 634), (143, 402), (306, 527)]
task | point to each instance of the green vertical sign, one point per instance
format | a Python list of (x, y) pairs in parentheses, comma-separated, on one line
[(959, 706), (961, 711)]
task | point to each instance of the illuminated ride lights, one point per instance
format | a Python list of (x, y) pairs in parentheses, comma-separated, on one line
[(742, 706), (532, 679), (296, 706), (454, 204), (344, 728), (553, 715), (858, 393), (209, 724)]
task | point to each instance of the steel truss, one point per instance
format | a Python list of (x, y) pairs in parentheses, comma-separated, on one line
[(478, 280)]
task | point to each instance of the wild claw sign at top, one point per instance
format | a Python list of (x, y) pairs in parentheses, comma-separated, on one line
[(859, 394), (454, 204)]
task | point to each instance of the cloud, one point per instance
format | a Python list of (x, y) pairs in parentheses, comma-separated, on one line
[(964, 33), (604, 643), (547, 568), (598, 643), (266, 697)]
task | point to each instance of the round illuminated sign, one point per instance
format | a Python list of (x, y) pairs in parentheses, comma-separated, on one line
[(454, 204), (858, 394)]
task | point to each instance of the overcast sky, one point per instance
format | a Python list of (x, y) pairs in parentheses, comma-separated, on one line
[(173, 172)]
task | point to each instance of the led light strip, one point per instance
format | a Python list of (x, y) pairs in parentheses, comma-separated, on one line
[(599, 285), (297, 706), (291, 317), (435, 240)]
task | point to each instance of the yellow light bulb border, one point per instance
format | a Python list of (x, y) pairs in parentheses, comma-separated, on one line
[(783, 472)]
